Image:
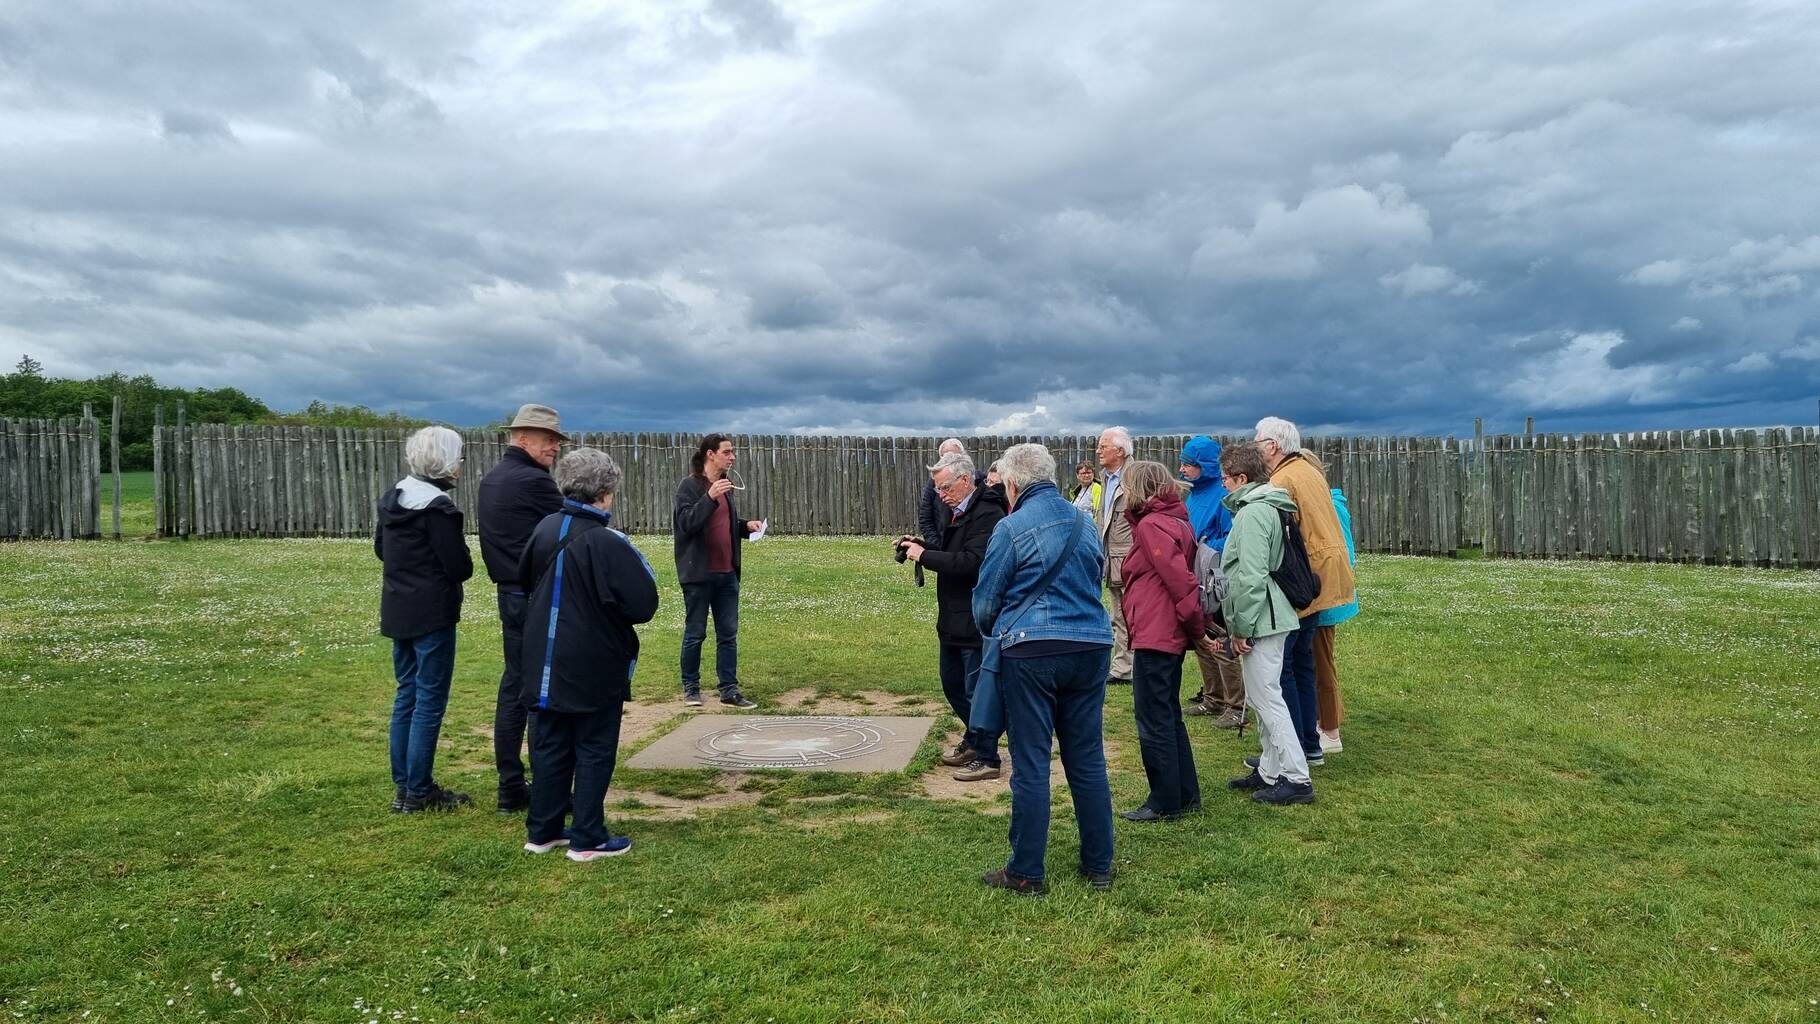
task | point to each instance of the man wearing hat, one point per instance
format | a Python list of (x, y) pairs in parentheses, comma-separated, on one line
[(515, 496)]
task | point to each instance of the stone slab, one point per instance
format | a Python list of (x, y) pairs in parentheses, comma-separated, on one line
[(814, 743)]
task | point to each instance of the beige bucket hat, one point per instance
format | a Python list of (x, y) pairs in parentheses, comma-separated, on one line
[(538, 417)]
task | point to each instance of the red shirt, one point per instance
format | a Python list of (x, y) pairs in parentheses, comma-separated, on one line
[(720, 538)]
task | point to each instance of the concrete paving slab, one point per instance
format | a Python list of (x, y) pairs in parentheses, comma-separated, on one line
[(822, 743)]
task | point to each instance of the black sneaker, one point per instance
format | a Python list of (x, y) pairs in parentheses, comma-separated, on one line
[(692, 698), (1101, 882), (1145, 812), (398, 800), (1252, 781), (736, 700), (437, 799), (1286, 792), (1252, 763), (1003, 879), (513, 801)]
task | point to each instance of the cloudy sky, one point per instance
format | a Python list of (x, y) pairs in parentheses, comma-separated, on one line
[(925, 216)]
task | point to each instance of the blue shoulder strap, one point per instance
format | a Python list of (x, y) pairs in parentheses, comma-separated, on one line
[(549, 647)]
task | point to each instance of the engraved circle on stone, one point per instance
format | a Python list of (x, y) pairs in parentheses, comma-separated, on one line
[(796, 741)]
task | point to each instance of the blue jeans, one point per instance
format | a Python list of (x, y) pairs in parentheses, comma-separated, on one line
[(1064, 696), (1298, 687), (960, 668), (719, 594), (423, 665)]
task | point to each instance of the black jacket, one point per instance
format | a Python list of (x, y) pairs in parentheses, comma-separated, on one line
[(689, 520), (957, 564), (426, 558), (515, 495), (586, 663)]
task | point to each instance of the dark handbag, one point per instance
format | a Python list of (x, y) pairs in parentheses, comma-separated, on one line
[(988, 710)]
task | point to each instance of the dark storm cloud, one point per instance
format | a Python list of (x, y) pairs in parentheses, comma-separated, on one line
[(921, 217)]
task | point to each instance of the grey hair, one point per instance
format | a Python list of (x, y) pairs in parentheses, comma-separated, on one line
[(586, 474), (1122, 438), (956, 463), (1283, 432), (1026, 464), (953, 443), (433, 453)]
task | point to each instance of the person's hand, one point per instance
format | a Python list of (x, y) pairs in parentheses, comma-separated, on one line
[(913, 551), (719, 487), (1240, 645), (754, 525)]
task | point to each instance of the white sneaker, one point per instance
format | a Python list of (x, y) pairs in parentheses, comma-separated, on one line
[(1330, 742), (547, 847)]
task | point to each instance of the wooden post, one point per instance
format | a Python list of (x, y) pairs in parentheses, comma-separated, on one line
[(184, 464), (114, 449), (1529, 425)]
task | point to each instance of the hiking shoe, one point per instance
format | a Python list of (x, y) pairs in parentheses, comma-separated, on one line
[(977, 771), (736, 700), (546, 847), (437, 799), (1253, 781), (1330, 742), (691, 698), (1286, 792), (398, 800), (1004, 879), (1100, 880), (958, 755), (613, 847), (1199, 708), (1145, 812), (1234, 719)]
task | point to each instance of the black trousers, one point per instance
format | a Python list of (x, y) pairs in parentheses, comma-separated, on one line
[(508, 709), (1156, 681), (575, 756), (960, 670)]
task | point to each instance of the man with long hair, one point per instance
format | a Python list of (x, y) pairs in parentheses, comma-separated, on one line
[(708, 531)]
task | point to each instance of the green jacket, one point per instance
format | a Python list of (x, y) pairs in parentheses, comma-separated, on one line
[(1255, 605)]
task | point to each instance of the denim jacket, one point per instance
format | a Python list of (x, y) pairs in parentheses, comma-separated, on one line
[(1023, 546)]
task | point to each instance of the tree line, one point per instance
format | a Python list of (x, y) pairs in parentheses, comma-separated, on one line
[(27, 393)]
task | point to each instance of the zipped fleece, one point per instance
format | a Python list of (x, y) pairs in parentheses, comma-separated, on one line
[(1255, 606), (418, 539)]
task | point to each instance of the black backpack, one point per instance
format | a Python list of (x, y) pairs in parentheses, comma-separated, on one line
[(1298, 580)]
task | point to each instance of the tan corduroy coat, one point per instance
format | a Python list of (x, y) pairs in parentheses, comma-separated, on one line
[(1320, 530)]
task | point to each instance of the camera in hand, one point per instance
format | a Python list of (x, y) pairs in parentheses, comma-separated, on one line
[(902, 554)]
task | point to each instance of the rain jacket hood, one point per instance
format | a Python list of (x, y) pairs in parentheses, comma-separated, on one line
[(1207, 512)]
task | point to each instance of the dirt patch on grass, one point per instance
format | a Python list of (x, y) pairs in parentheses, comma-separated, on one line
[(807, 701), (655, 807), (992, 796)]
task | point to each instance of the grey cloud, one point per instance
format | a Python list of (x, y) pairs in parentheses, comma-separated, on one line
[(915, 218), (195, 126)]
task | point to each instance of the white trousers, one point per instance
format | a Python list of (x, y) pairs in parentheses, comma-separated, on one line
[(1263, 669)]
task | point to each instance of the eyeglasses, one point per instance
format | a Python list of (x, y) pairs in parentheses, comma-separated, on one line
[(945, 488)]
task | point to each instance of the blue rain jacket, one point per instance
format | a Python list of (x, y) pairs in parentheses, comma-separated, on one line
[(1207, 513)]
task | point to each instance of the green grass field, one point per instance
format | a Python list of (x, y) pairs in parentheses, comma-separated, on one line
[(1570, 792)]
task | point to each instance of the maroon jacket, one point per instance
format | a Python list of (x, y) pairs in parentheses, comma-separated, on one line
[(1162, 602)]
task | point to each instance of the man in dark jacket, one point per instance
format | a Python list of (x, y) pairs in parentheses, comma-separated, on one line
[(708, 530), (419, 541), (931, 511), (588, 587), (955, 559), (515, 496)]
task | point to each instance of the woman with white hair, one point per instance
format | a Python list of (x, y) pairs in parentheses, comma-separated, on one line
[(419, 540)]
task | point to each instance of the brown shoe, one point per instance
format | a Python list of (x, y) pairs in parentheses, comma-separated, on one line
[(958, 755), (977, 771), (1231, 719)]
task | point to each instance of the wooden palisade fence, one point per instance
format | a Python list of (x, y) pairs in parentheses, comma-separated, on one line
[(50, 478), (217, 481)]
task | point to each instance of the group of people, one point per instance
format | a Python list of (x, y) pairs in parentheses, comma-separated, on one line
[(570, 590), (1027, 643), (1042, 600)]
